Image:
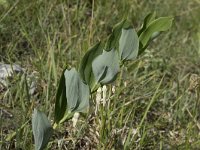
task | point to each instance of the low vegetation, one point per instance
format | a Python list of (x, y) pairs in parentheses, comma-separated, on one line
[(131, 86)]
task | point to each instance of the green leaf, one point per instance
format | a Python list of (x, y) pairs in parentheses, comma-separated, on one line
[(42, 129), (142, 49), (85, 68), (160, 24), (61, 100), (77, 92), (106, 66), (128, 44), (113, 40), (148, 19)]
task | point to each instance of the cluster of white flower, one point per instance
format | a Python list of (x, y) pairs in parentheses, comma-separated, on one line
[(104, 90), (113, 89), (75, 118), (98, 99), (101, 97)]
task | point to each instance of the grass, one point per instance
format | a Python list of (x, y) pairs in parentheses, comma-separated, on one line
[(152, 110)]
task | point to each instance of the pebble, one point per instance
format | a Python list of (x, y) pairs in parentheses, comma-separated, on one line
[(9, 70)]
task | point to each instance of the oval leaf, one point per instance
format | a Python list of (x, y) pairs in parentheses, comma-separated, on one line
[(128, 44), (148, 19), (61, 100), (85, 68), (42, 129), (106, 66), (77, 92), (160, 24), (113, 39)]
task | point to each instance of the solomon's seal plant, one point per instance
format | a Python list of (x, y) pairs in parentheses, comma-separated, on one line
[(99, 67)]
